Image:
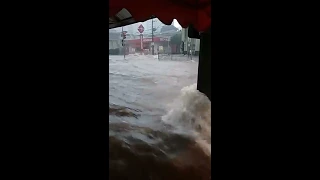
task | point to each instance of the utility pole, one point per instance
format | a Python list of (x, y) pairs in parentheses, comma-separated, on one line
[(152, 43), (169, 45), (123, 45)]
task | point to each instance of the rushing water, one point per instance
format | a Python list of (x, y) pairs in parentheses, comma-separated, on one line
[(159, 124)]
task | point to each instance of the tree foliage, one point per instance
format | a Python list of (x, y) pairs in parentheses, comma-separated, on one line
[(168, 28), (176, 39)]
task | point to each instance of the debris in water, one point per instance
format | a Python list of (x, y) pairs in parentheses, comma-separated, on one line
[(122, 111)]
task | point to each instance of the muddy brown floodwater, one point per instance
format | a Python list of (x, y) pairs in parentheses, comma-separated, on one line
[(157, 131)]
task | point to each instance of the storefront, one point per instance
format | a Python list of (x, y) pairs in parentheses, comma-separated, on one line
[(160, 44)]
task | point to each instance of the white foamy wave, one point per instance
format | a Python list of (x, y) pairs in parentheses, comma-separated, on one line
[(192, 111)]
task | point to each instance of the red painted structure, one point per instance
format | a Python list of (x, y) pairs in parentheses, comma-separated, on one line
[(135, 43)]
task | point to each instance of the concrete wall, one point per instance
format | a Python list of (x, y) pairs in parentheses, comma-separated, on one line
[(114, 44)]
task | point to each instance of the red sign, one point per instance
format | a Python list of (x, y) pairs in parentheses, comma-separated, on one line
[(141, 29)]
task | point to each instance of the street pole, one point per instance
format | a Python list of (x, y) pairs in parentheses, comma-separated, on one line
[(123, 45), (169, 50), (152, 46), (168, 45)]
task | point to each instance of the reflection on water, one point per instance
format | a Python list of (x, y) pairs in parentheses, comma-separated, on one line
[(157, 130)]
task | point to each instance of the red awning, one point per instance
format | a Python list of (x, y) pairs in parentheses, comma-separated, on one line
[(195, 12)]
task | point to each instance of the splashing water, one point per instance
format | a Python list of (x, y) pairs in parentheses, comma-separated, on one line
[(191, 112)]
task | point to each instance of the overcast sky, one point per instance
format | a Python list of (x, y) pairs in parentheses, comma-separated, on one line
[(176, 24), (133, 27)]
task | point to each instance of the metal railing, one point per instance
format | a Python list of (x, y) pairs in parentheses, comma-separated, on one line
[(176, 57)]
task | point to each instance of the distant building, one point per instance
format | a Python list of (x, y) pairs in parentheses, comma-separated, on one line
[(170, 28), (162, 34), (115, 40), (133, 28), (157, 24), (189, 43), (160, 45)]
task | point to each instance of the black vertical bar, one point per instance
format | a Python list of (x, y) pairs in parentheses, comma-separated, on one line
[(204, 68)]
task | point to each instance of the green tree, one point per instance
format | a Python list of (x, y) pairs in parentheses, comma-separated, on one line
[(168, 28), (176, 39)]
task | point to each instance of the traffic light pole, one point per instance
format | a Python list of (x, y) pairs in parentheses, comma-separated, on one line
[(123, 45)]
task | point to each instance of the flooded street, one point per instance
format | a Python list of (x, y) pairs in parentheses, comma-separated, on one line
[(159, 124)]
